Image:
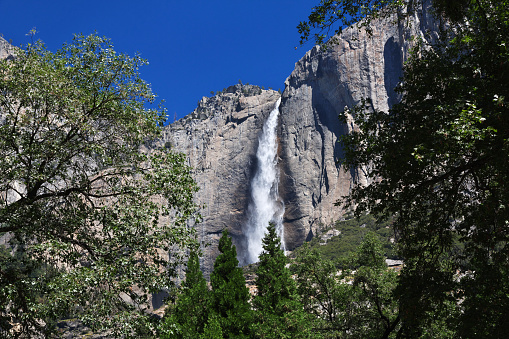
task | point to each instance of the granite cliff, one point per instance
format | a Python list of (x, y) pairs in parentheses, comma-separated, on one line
[(220, 138), (221, 135), (7, 51), (324, 82)]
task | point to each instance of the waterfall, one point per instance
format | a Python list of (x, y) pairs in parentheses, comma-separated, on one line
[(265, 205)]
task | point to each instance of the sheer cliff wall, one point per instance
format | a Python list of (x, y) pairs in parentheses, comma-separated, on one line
[(221, 138), (324, 82)]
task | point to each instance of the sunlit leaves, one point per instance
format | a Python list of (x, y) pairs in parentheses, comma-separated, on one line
[(79, 194)]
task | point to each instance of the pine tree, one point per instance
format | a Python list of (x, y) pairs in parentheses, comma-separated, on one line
[(189, 315), (279, 314), (230, 296), (191, 311), (212, 329)]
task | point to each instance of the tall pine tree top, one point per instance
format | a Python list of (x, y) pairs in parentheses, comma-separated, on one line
[(230, 296), (279, 314), (274, 281)]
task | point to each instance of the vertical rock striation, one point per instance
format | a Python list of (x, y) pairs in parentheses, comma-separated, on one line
[(221, 138), (323, 83), (7, 51)]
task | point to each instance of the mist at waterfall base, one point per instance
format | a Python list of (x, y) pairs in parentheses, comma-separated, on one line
[(265, 205)]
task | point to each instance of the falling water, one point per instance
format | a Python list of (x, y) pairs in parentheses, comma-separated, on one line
[(266, 205)]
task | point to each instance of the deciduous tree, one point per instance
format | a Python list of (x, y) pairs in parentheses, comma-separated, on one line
[(438, 161), (328, 19), (352, 298), (78, 194)]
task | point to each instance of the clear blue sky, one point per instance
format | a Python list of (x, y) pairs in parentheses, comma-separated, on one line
[(193, 46)]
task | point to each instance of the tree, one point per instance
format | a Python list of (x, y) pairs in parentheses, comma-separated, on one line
[(89, 214), (378, 307), (353, 297), (328, 19), (212, 329), (191, 312), (279, 314), (323, 294), (438, 161), (230, 296)]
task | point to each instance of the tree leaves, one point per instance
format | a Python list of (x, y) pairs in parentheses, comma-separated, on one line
[(438, 161), (78, 193)]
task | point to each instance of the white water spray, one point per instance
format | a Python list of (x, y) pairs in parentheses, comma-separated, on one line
[(266, 205)]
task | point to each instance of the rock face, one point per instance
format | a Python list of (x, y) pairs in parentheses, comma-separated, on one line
[(221, 138), (321, 86), (7, 51)]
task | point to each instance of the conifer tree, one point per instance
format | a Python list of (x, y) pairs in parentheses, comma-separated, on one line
[(230, 296), (279, 314), (191, 311), (212, 329)]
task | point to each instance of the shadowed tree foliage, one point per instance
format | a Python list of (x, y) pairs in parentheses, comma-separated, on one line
[(279, 314), (230, 296), (439, 160), (330, 17)]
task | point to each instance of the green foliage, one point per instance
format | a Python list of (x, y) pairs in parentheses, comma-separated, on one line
[(377, 285), (352, 233), (273, 277), (212, 329), (323, 294), (330, 17), (348, 303), (278, 314), (230, 296), (440, 163), (76, 192), (190, 314)]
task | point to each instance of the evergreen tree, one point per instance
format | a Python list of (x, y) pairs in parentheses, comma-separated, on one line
[(279, 314), (212, 329), (230, 296), (191, 311)]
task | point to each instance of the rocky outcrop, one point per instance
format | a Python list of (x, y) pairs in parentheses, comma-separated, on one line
[(220, 138), (359, 66), (7, 51)]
